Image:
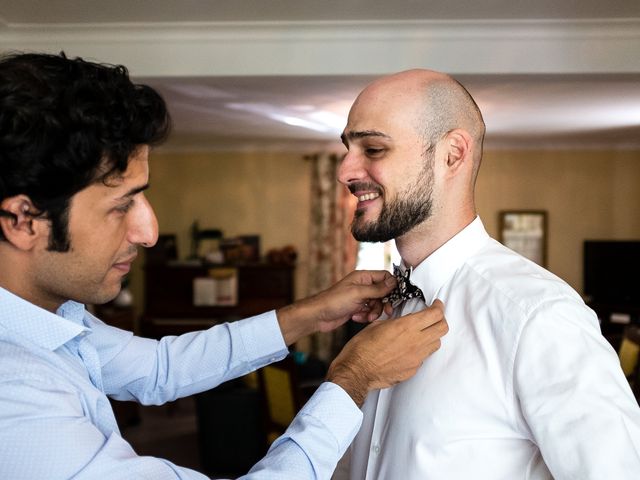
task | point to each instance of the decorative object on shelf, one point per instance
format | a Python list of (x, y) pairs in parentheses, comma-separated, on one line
[(205, 244), (283, 256), (219, 288), (169, 297), (241, 249), (525, 231)]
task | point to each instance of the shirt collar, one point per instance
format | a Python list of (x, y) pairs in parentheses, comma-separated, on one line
[(434, 271), (39, 326)]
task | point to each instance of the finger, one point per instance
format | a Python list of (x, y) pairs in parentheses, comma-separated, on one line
[(437, 303), (377, 290), (366, 306), (435, 332), (424, 318), (376, 310), (368, 277)]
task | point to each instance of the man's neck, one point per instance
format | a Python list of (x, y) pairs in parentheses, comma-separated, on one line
[(418, 244), (17, 285)]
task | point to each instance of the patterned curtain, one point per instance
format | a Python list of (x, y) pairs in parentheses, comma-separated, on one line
[(332, 249)]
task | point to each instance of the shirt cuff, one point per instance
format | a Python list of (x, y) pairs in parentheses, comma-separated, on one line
[(261, 338)]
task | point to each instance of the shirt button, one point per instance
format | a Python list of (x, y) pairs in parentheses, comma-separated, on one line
[(376, 449)]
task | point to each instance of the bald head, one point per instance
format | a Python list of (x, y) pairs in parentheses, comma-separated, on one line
[(436, 102), (414, 142)]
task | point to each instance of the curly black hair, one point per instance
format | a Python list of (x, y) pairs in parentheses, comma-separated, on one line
[(65, 124)]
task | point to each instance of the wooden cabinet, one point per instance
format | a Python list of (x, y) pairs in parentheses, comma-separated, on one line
[(169, 296)]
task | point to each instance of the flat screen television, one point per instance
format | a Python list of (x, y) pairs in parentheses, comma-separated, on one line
[(612, 271)]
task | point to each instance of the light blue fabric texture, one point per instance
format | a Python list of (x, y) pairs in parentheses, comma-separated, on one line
[(56, 371)]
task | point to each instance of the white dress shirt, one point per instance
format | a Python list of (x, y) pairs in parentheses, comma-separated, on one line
[(523, 387)]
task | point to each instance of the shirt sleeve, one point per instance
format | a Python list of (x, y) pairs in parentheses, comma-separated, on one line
[(154, 372), (45, 434), (315, 441), (48, 436), (574, 397)]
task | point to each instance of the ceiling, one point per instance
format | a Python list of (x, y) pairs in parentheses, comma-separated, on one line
[(142, 11), (247, 74)]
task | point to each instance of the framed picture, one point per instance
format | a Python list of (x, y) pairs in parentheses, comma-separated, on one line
[(525, 231)]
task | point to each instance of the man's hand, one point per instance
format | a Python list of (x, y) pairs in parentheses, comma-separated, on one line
[(388, 352), (357, 296)]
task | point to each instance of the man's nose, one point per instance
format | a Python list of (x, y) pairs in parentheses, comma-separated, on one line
[(143, 228), (351, 169)]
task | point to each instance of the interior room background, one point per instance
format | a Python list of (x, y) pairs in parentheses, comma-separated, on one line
[(588, 194), (252, 180)]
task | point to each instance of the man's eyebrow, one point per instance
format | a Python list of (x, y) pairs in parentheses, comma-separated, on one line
[(362, 134), (135, 191)]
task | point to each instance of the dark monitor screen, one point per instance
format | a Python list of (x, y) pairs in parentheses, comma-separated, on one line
[(612, 271)]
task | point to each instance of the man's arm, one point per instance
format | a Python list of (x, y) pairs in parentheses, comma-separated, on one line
[(146, 370), (383, 354), (574, 397), (357, 296)]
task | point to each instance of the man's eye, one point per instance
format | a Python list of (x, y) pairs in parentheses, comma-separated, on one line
[(124, 208), (373, 152)]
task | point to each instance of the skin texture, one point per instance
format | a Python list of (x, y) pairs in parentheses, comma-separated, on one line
[(399, 126), (107, 224)]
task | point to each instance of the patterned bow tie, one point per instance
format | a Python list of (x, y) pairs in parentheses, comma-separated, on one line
[(405, 289)]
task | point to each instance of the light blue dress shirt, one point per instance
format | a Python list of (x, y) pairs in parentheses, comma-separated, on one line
[(56, 371)]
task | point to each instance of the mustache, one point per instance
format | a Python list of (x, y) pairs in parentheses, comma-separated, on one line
[(369, 186), (131, 252)]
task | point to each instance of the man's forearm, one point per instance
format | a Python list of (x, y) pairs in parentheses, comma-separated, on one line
[(295, 322)]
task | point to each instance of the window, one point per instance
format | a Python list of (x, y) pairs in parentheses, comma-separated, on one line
[(377, 256)]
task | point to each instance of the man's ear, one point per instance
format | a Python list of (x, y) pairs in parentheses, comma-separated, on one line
[(18, 222), (458, 143)]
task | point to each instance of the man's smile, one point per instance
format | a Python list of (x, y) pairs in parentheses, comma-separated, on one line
[(368, 196)]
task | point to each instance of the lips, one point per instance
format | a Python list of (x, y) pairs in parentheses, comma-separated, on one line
[(125, 265)]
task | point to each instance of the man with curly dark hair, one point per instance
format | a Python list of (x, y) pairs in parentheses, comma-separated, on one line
[(74, 146)]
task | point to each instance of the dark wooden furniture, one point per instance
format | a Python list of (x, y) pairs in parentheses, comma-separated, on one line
[(230, 423), (170, 310)]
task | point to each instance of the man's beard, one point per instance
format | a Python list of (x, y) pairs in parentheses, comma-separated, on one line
[(399, 216)]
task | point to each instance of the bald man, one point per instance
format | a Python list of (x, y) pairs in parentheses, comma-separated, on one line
[(524, 385)]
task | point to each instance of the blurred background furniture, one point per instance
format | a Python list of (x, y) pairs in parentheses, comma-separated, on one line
[(169, 295)]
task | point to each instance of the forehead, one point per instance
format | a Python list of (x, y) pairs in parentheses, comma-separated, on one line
[(119, 184), (387, 109)]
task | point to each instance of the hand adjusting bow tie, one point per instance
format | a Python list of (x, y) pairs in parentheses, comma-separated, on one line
[(405, 289)]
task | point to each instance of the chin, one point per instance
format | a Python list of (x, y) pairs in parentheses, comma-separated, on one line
[(102, 296)]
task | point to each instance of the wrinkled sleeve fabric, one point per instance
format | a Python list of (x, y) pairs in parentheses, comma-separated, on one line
[(48, 436), (574, 397), (45, 434), (154, 372), (315, 441)]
